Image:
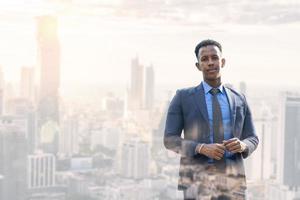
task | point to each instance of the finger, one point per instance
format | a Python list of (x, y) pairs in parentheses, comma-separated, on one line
[(221, 146), (230, 143), (219, 154), (230, 140), (233, 147), (234, 143), (220, 151)]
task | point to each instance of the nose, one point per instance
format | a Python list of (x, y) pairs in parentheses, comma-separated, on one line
[(210, 61)]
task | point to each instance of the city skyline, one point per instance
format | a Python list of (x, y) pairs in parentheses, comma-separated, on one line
[(94, 139), (99, 38), (85, 87)]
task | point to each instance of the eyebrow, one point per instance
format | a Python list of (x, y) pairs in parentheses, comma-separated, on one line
[(209, 55)]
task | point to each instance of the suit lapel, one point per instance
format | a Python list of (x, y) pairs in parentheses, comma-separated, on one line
[(231, 100), (199, 98)]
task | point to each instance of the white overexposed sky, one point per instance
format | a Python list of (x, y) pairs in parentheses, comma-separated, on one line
[(99, 37)]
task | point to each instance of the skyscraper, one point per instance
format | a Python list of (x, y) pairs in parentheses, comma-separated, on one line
[(288, 167), (259, 167), (27, 83), (1, 187), (1, 91), (135, 160), (149, 96), (69, 136), (13, 152), (49, 67), (137, 85)]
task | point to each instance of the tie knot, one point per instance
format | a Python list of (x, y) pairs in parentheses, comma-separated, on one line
[(214, 91)]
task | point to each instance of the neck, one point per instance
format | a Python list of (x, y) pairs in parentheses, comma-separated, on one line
[(214, 83)]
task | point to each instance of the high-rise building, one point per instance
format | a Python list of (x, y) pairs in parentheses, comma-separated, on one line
[(69, 136), (13, 152), (49, 82), (22, 113), (113, 105), (260, 167), (288, 157), (49, 68), (27, 83), (149, 96), (1, 91), (137, 85), (108, 137), (157, 146), (9, 94), (135, 159), (18, 106), (32, 137), (1, 187), (41, 170)]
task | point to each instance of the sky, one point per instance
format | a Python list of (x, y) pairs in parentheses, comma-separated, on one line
[(100, 37)]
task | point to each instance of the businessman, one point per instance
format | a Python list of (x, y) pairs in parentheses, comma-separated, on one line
[(211, 127)]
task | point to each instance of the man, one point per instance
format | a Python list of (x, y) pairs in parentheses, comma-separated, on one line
[(218, 131)]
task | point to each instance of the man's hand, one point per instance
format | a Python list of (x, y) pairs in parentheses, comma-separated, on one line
[(234, 145), (214, 151)]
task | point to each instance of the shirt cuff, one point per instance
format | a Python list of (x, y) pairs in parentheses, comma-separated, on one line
[(198, 148)]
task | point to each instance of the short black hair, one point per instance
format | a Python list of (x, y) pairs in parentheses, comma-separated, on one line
[(205, 43)]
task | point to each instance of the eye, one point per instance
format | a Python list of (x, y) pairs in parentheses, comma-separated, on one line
[(204, 59), (215, 57)]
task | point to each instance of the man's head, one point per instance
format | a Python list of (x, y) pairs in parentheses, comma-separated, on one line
[(210, 60)]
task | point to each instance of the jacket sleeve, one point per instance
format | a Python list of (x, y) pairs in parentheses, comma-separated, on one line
[(173, 129), (248, 132)]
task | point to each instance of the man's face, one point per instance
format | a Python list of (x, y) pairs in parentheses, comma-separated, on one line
[(210, 62)]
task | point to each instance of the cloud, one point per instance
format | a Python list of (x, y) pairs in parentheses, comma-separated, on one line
[(181, 12), (195, 12)]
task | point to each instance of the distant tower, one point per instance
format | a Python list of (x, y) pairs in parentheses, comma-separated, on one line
[(49, 63), (135, 159), (49, 67), (260, 166), (27, 83), (13, 152), (1, 90), (149, 96), (137, 85), (69, 136), (288, 157), (1, 187)]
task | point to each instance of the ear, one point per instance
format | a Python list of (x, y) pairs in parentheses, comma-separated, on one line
[(223, 62), (198, 66)]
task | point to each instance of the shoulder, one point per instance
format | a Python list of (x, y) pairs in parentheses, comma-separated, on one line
[(181, 96), (234, 92), (187, 91)]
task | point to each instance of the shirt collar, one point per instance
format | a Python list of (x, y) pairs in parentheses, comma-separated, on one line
[(207, 87)]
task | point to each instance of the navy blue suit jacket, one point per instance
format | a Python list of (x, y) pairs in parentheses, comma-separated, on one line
[(188, 113)]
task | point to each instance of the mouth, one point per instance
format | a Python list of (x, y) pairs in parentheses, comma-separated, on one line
[(212, 70)]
